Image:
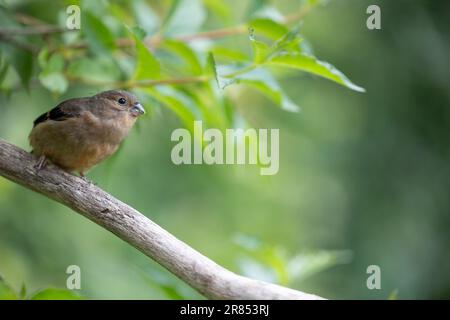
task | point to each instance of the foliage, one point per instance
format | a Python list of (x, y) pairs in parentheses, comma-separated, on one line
[(364, 172), (7, 293), (272, 263), (173, 62)]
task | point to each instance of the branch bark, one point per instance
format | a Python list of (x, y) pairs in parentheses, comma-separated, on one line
[(198, 271)]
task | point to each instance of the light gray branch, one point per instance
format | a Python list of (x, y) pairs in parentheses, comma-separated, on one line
[(201, 273)]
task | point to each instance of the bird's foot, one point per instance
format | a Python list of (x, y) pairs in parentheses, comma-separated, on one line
[(41, 163), (85, 179)]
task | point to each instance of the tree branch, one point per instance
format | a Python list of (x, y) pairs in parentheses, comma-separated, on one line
[(154, 41), (198, 271), (36, 30), (143, 83), (22, 45)]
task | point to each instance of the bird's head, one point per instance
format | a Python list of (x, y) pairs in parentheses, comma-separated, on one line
[(122, 101)]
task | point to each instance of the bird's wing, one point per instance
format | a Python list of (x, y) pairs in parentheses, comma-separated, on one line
[(65, 110)]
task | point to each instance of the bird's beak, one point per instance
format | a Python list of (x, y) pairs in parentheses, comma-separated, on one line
[(138, 109)]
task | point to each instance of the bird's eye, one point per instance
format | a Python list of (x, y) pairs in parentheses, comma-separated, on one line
[(122, 101)]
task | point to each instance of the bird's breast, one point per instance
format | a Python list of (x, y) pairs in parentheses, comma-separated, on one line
[(106, 131)]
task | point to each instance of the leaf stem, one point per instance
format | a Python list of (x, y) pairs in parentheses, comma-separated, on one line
[(248, 68)]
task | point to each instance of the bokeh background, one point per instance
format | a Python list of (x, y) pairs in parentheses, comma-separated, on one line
[(364, 177)]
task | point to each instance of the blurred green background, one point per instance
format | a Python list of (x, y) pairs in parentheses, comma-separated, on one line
[(364, 178)]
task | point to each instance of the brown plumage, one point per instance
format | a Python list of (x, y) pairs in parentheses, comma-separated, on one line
[(79, 133)]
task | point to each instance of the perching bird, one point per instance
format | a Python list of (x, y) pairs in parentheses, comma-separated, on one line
[(79, 133)]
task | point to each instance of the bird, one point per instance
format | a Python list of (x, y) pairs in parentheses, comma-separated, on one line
[(79, 133)]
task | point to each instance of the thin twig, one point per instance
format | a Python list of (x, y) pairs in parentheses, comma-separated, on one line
[(29, 20), (156, 40), (20, 44), (36, 30)]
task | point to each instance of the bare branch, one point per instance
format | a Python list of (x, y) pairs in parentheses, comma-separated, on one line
[(23, 45), (37, 30), (201, 273), (155, 41)]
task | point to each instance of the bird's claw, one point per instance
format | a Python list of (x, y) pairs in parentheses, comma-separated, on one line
[(41, 163), (85, 179)]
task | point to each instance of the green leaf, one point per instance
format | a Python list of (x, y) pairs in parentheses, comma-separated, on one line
[(55, 82), (147, 66), (4, 66), (212, 70), (100, 69), (268, 28), (307, 264), (229, 110), (145, 16), (210, 102), (6, 292), (138, 32), (185, 17), (54, 64), (51, 77), (23, 292), (256, 6), (263, 81), (165, 283), (272, 256), (22, 62), (228, 53), (191, 61), (297, 268), (252, 268), (318, 2), (268, 11), (312, 65), (261, 51), (393, 295), (100, 38), (43, 57), (56, 294), (289, 42), (177, 102), (247, 242), (173, 8), (219, 7)]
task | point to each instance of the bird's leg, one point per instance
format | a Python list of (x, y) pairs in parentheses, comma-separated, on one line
[(41, 163), (83, 176), (86, 179)]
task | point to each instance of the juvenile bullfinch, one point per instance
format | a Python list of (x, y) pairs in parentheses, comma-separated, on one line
[(79, 133)]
